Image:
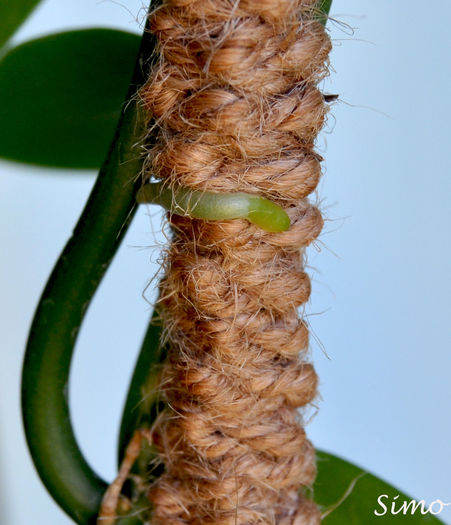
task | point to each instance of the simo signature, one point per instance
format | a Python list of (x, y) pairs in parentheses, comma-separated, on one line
[(408, 507)]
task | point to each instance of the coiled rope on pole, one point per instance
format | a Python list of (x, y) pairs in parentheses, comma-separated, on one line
[(235, 101)]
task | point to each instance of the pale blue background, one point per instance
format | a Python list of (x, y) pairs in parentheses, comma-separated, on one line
[(381, 272)]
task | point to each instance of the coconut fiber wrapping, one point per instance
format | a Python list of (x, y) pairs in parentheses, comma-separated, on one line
[(234, 99)]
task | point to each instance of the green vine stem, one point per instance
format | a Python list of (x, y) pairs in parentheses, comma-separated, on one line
[(141, 405), (77, 274)]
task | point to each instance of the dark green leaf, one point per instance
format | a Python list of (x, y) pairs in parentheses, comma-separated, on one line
[(61, 96), (351, 494), (12, 14)]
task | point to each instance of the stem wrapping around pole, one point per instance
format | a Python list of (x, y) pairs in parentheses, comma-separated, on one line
[(71, 286)]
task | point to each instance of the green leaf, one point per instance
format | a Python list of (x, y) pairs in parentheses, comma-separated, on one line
[(12, 14), (349, 495), (61, 95)]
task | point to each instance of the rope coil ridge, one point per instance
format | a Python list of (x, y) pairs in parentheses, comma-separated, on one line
[(235, 102)]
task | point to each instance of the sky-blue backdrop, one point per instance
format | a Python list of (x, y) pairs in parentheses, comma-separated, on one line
[(380, 310)]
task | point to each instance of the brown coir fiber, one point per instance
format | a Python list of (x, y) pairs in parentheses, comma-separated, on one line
[(235, 102)]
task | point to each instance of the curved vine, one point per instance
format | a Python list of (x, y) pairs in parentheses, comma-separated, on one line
[(63, 304)]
